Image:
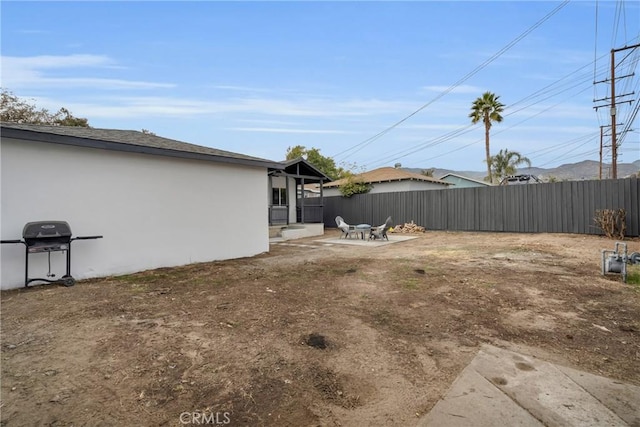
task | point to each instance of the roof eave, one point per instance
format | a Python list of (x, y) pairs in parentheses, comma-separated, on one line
[(320, 174), (75, 141), (333, 184)]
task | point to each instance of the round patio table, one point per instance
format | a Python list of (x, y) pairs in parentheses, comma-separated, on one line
[(363, 230)]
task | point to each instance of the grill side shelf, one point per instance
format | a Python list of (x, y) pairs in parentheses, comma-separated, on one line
[(86, 237), (12, 241)]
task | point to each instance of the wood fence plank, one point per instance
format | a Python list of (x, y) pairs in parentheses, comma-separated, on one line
[(562, 207)]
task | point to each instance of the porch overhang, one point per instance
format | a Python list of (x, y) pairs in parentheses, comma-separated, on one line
[(303, 173)]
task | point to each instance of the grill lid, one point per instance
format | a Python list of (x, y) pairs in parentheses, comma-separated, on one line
[(46, 230)]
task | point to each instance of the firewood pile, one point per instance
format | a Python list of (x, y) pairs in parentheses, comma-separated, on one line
[(408, 227)]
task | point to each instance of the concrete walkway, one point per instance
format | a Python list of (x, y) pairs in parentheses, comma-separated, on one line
[(503, 388)]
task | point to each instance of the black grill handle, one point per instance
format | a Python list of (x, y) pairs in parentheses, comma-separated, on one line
[(12, 241), (86, 237)]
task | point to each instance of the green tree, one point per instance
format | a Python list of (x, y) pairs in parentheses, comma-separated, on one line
[(353, 185), (296, 152), (17, 110), (325, 164), (505, 163), (487, 109)]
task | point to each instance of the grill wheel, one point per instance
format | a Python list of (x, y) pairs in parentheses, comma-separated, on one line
[(67, 281)]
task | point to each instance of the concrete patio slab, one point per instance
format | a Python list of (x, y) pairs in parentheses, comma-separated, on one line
[(501, 387), (369, 243)]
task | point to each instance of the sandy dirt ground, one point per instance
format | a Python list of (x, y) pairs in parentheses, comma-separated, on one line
[(311, 334)]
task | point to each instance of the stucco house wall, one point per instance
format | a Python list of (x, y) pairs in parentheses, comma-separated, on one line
[(458, 181), (153, 211)]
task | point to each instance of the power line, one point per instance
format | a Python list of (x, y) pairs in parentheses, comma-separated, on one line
[(560, 86), (354, 149), (546, 150), (537, 97), (467, 128), (426, 144), (595, 50), (565, 155)]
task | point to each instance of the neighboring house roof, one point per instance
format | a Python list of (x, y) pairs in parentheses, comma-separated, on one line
[(388, 174), (128, 141), (313, 188), (465, 178)]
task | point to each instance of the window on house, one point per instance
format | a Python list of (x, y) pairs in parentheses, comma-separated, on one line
[(279, 196)]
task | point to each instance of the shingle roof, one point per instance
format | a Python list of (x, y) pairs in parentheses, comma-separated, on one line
[(127, 140), (388, 174), (300, 166), (465, 178)]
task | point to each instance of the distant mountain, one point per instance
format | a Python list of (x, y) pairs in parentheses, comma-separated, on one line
[(587, 169)]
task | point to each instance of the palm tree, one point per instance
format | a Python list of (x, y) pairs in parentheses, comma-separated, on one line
[(487, 108), (505, 162)]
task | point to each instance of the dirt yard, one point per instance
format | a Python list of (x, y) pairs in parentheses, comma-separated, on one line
[(311, 334)]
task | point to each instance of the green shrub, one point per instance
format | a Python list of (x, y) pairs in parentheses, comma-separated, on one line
[(353, 185)]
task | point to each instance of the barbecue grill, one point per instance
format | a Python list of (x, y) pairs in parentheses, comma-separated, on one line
[(47, 237)]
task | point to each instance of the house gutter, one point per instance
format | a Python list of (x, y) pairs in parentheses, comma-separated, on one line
[(29, 135)]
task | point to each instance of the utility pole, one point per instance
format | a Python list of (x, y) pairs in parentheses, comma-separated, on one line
[(600, 167), (614, 151), (603, 146), (614, 143), (613, 108)]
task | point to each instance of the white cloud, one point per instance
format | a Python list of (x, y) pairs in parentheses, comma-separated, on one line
[(51, 61), (557, 56), (170, 106), (28, 31), (69, 73), (290, 130), (460, 89), (32, 72), (552, 112), (436, 126), (378, 106), (240, 88), (265, 122), (574, 130)]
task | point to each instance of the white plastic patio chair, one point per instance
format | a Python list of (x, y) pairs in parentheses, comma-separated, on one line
[(380, 232), (347, 230)]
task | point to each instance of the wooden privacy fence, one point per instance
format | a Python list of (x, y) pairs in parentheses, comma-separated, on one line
[(560, 207)]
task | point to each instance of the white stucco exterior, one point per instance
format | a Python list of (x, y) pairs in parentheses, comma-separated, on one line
[(393, 187), (153, 211)]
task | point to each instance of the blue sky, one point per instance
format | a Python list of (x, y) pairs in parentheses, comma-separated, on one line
[(259, 77)]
